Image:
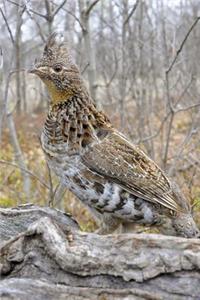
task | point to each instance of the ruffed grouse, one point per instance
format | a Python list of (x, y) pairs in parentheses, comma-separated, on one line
[(95, 161)]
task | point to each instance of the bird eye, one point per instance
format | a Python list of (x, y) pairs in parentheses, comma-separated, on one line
[(57, 68)]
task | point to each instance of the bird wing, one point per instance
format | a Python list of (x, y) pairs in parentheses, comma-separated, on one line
[(120, 161)]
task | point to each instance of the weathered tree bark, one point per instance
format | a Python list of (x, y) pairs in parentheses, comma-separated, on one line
[(44, 255)]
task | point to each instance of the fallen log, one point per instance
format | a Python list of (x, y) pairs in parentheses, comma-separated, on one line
[(44, 255)]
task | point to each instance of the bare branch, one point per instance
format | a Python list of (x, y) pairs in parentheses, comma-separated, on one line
[(31, 10), (48, 11), (37, 24), (131, 13), (58, 8), (169, 100), (1, 58), (8, 27), (84, 69), (115, 69), (182, 44), (187, 107), (5, 162), (75, 17), (91, 6), (51, 190)]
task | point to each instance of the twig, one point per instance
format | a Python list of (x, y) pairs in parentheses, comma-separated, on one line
[(85, 68), (187, 107), (5, 179), (182, 44), (8, 27), (115, 70), (154, 135), (58, 8), (131, 13), (186, 140), (73, 15), (36, 22), (90, 7), (31, 10), (51, 191), (5, 162), (1, 58), (48, 16), (171, 106)]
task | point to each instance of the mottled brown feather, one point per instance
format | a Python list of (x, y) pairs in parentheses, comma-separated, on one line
[(116, 158)]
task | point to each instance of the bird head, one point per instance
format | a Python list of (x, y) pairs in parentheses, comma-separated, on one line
[(57, 69)]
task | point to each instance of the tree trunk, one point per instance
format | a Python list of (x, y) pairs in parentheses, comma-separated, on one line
[(44, 255), (17, 46), (89, 50)]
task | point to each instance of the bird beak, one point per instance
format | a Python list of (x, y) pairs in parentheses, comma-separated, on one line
[(36, 71), (32, 70), (40, 71)]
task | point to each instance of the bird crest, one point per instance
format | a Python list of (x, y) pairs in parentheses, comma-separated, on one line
[(56, 50)]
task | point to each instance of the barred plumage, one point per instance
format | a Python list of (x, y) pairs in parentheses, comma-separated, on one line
[(95, 161)]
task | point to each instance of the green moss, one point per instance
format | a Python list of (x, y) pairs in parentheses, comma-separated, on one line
[(196, 204), (7, 202)]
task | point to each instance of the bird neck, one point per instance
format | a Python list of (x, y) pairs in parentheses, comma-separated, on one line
[(78, 122), (72, 103), (77, 89), (56, 95), (80, 105)]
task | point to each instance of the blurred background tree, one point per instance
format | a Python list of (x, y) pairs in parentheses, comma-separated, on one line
[(140, 60)]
